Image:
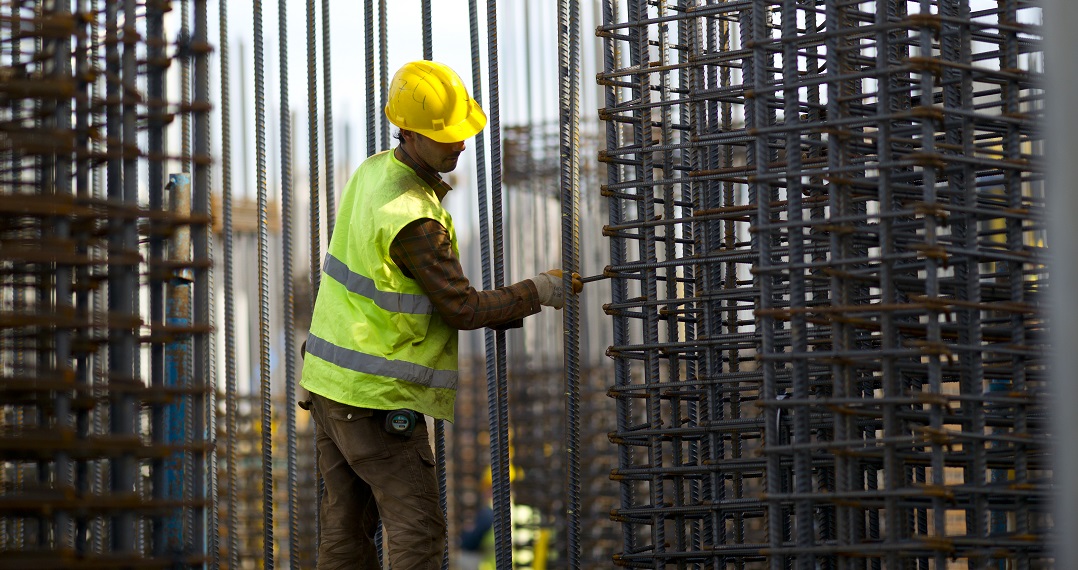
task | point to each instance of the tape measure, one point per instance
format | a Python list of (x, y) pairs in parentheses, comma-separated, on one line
[(401, 422)]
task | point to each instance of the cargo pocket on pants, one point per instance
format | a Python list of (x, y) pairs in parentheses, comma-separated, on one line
[(357, 432)]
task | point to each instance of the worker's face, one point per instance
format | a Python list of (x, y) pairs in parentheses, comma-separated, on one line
[(440, 157)]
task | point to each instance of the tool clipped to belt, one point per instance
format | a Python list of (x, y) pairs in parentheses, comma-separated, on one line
[(401, 422)]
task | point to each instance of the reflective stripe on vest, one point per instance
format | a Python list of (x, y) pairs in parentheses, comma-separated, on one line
[(360, 285), (368, 364)]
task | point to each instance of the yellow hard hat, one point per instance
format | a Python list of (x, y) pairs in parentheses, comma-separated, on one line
[(429, 98)]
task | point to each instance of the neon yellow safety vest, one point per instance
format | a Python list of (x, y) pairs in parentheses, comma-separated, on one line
[(375, 340)]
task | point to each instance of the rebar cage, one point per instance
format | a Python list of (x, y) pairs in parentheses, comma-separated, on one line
[(826, 225), (107, 388)]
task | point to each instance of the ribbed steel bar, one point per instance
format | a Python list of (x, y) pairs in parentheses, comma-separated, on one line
[(569, 187), (123, 365), (619, 292), (59, 52), (156, 84), (501, 481), (372, 101), (428, 37), (854, 178), (266, 404), (327, 119), (185, 85), (314, 199), (229, 293), (498, 445), (287, 296), (314, 202), (203, 410), (383, 76)]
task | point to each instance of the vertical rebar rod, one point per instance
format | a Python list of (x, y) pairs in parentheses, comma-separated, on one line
[(287, 296), (229, 294), (63, 464), (372, 102), (383, 75), (184, 42), (123, 188), (428, 37), (327, 118), (266, 403), (498, 446), (156, 89), (618, 289), (314, 202), (502, 500), (796, 240), (204, 479), (569, 178)]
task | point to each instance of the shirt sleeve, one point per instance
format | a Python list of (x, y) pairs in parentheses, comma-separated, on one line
[(422, 250)]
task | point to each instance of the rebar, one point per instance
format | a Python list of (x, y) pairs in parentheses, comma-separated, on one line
[(204, 386), (844, 204), (229, 293), (500, 460), (263, 292), (383, 76), (569, 186), (372, 101), (315, 214), (327, 118), (287, 295), (81, 106)]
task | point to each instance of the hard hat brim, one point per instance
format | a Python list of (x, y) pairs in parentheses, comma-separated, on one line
[(473, 123)]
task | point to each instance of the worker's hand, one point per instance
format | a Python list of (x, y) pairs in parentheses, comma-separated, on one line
[(551, 292)]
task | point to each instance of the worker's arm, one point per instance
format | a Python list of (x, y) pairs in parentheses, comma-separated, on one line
[(422, 250)]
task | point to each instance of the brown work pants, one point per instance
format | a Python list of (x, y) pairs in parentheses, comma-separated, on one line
[(368, 473)]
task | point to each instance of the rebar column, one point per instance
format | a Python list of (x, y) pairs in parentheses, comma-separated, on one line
[(841, 207), (84, 439)]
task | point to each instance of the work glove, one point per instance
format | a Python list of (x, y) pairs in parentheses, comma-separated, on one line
[(549, 285)]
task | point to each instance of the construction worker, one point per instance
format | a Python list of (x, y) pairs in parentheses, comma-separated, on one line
[(382, 350)]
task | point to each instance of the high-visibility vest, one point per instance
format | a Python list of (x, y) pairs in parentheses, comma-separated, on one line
[(375, 339)]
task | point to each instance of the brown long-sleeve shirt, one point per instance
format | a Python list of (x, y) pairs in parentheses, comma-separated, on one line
[(423, 251)]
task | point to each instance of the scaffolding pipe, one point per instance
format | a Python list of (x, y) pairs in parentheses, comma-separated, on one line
[(179, 357)]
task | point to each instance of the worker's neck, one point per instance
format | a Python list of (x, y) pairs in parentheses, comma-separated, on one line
[(428, 174)]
